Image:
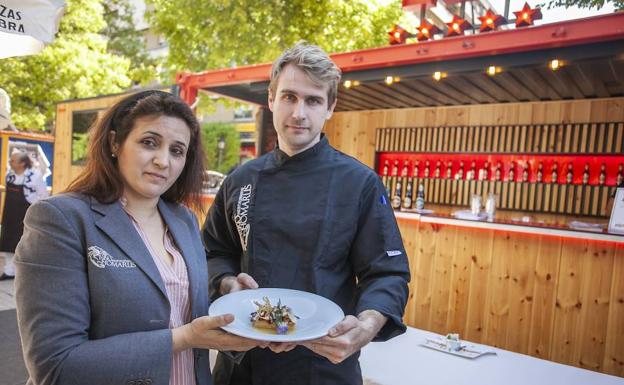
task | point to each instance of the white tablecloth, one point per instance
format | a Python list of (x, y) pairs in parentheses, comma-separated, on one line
[(402, 361)]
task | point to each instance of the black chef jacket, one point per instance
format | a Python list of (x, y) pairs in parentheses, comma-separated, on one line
[(319, 221)]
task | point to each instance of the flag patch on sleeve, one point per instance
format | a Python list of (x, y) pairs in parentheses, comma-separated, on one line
[(383, 200)]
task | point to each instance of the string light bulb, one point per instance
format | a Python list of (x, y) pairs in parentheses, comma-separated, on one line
[(555, 64), (348, 84), (389, 80), (493, 70), (437, 76)]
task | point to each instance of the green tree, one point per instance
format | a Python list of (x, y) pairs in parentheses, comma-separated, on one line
[(124, 39), (76, 65), (619, 4), (211, 134), (215, 34)]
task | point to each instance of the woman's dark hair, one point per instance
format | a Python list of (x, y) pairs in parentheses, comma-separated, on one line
[(101, 177)]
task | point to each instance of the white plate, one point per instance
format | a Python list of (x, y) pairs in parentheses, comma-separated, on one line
[(466, 350), (316, 314)]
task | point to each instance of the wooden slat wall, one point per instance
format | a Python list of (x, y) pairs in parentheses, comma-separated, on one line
[(354, 132), (553, 298)]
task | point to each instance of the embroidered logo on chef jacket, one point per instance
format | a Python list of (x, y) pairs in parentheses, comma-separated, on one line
[(393, 253), (241, 215), (100, 258)]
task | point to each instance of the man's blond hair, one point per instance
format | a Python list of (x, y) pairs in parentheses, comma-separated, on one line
[(314, 62)]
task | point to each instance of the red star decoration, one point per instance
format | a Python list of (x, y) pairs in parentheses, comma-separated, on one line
[(426, 31), (457, 26), (490, 22), (527, 16), (398, 35)]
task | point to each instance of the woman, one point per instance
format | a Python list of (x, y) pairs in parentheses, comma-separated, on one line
[(111, 281), (24, 186)]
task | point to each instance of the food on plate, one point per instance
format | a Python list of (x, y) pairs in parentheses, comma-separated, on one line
[(453, 341), (279, 318)]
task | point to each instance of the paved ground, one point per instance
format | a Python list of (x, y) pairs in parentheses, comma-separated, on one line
[(12, 368), (7, 300)]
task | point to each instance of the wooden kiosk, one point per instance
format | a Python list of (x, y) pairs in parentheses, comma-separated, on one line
[(546, 137)]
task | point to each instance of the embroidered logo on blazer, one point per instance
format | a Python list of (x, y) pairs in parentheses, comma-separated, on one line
[(100, 258), (241, 215)]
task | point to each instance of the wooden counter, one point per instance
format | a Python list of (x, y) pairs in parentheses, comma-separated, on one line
[(549, 295)]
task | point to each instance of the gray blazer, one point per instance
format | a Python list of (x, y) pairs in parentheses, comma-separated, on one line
[(91, 305)]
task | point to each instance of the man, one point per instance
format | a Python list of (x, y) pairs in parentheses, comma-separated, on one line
[(307, 217)]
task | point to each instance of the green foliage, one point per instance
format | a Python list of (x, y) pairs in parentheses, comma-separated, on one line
[(124, 39), (76, 65), (222, 33), (211, 133), (618, 4)]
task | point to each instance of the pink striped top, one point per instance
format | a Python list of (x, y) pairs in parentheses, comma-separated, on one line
[(175, 277)]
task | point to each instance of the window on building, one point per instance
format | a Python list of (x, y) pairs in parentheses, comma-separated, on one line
[(81, 122), (243, 113)]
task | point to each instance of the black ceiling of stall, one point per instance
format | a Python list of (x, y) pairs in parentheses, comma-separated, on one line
[(590, 71)]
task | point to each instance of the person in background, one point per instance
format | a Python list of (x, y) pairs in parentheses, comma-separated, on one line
[(24, 186), (308, 217), (111, 284)]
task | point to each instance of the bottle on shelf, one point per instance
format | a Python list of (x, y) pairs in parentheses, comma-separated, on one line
[(603, 174), (420, 197), (395, 168), (472, 173), (586, 174), (437, 169), (512, 172), (570, 174), (498, 172), (460, 172), (405, 168), (620, 175), (386, 167), (484, 172), (449, 169), (407, 201), (525, 172), (427, 171), (554, 174), (540, 173), (416, 172), (398, 191)]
